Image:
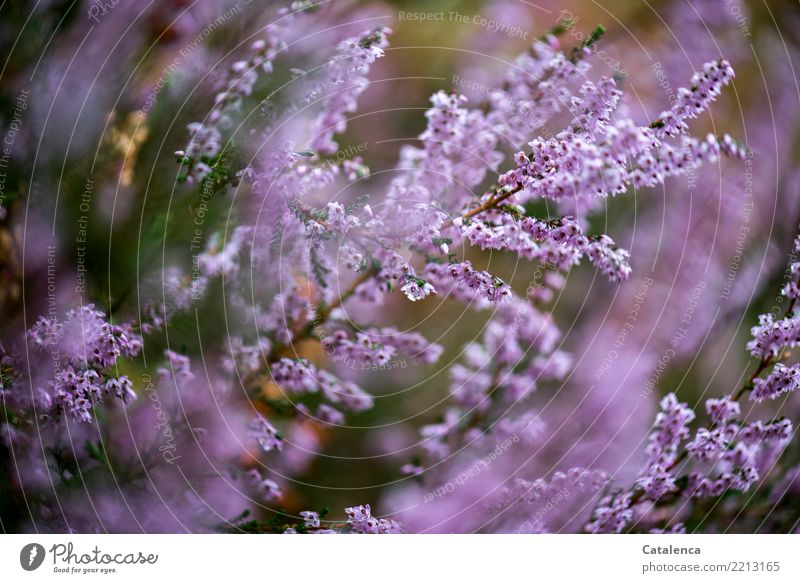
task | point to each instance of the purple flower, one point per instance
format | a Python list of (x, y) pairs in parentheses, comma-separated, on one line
[(363, 348), (346, 393), (349, 66), (338, 219), (705, 87), (459, 148), (709, 445), (657, 482), (700, 485), (122, 388), (482, 284), (85, 338), (417, 290), (379, 345), (783, 379), (757, 432), (328, 414), (594, 108), (180, 368), (206, 137), (612, 261), (90, 346), (267, 489), (409, 344)]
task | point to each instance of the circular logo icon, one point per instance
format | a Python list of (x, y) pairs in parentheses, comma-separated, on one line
[(31, 556)]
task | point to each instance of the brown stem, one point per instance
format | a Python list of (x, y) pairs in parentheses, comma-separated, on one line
[(763, 364), (766, 361), (366, 275), (324, 311)]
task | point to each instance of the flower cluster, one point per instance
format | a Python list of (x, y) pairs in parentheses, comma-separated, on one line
[(349, 65), (538, 85), (311, 518), (471, 283), (90, 347), (612, 514), (594, 108), (705, 86), (771, 336), (518, 351), (559, 242), (575, 479), (670, 429), (595, 157), (459, 150), (267, 489), (262, 432), (180, 368), (298, 377), (722, 409), (361, 521), (380, 345), (307, 274), (733, 450), (395, 271), (783, 379), (727, 456), (206, 137)]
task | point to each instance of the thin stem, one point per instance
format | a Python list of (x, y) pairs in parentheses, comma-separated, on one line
[(491, 203), (763, 364), (366, 275)]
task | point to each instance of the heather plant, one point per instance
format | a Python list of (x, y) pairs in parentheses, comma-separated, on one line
[(275, 304)]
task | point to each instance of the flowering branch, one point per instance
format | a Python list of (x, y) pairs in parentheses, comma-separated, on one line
[(727, 440)]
